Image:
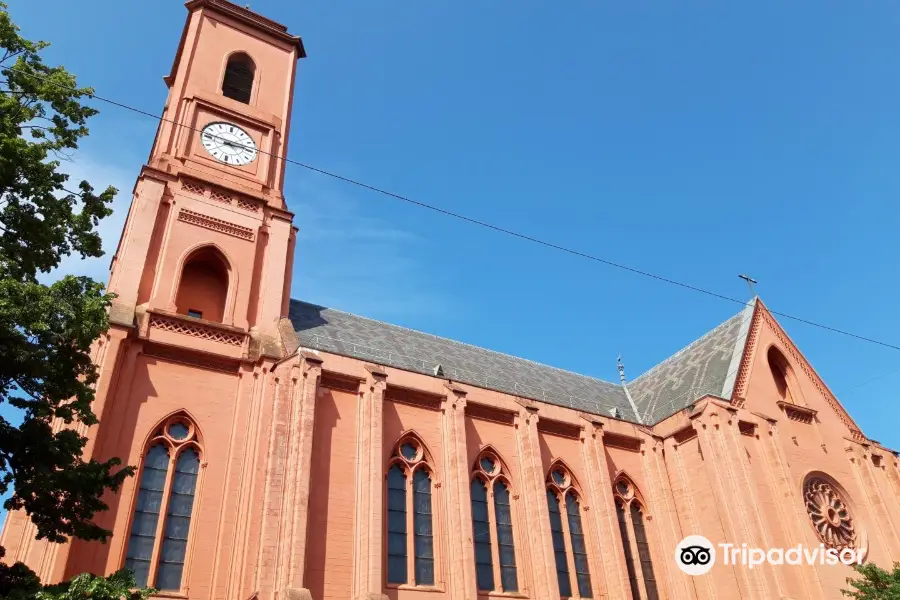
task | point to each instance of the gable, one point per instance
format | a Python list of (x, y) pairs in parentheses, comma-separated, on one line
[(764, 333)]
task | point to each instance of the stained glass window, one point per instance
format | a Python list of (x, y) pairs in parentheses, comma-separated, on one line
[(146, 513), (643, 547), (507, 551), (409, 451), (559, 546), (481, 535), (178, 520), (424, 536), (396, 525), (629, 556), (579, 550)]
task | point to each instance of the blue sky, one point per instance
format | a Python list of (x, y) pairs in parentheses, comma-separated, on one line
[(696, 140)]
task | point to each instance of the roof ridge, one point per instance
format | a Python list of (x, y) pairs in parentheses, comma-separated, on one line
[(446, 339), (680, 352)]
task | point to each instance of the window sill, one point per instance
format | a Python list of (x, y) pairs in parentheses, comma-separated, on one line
[(496, 594), (177, 595), (418, 588)]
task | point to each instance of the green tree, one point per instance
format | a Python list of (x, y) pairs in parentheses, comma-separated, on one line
[(875, 583), (46, 330)]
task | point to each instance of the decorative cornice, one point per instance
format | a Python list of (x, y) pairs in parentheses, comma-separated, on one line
[(487, 412), (187, 357), (794, 412), (594, 420), (376, 371), (204, 330), (459, 391), (220, 225), (765, 417), (248, 17), (309, 357), (560, 428), (622, 441), (527, 404), (198, 188)]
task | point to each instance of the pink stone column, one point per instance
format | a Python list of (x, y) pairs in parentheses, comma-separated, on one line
[(606, 545), (745, 494), (243, 469), (367, 565), (461, 559), (723, 501), (311, 375), (274, 506), (793, 517), (534, 497), (664, 528), (686, 502)]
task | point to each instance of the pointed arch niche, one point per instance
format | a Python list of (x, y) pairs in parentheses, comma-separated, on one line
[(783, 375), (630, 510), (567, 531), (159, 540), (492, 524), (410, 523), (204, 285)]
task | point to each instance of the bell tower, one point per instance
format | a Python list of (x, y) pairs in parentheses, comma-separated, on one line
[(209, 236), (202, 277)]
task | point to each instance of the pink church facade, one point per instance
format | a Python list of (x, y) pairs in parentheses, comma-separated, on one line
[(287, 450)]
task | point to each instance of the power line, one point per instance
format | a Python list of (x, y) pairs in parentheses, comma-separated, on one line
[(462, 217)]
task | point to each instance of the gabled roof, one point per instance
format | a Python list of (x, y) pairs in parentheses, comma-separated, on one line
[(342, 333), (705, 367)]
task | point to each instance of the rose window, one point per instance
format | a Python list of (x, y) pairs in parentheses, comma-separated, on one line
[(829, 514)]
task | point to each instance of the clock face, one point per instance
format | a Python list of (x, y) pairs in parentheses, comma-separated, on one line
[(229, 144)]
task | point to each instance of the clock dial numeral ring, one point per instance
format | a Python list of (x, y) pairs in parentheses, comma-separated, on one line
[(228, 143)]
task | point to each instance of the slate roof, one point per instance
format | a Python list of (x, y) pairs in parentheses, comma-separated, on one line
[(707, 366), (702, 367)]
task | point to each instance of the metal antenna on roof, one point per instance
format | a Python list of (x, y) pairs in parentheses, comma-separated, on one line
[(750, 281), (637, 415)]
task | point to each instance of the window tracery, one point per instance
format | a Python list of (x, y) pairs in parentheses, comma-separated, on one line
[(635, 543), (410, 512), (829, 513), (567, 534), (161, 519), (492, 504)]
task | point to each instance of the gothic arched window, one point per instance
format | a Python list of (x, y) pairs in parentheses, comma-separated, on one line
[(203, 287), (568, 534), (157, 545), (491, 504), (630, 512), (238, 80), (410, 513)]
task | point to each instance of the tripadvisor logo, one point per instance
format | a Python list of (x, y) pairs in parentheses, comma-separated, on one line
[(696, 555)]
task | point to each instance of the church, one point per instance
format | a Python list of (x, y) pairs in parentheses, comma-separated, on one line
[(291, 451)]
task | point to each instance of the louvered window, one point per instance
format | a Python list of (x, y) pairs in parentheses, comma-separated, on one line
[(238, 80)]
